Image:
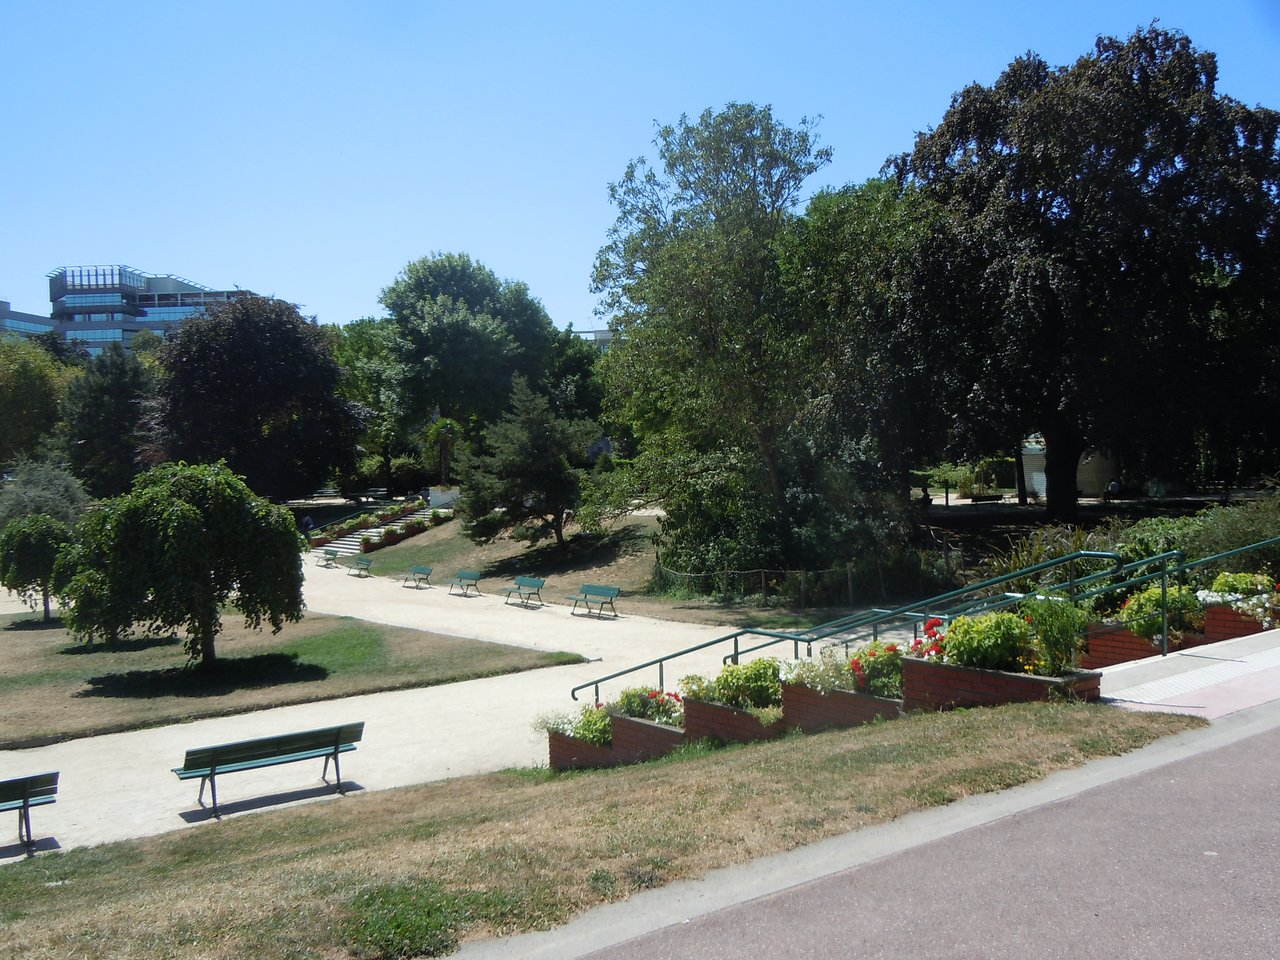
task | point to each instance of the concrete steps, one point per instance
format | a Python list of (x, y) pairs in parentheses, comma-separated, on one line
[(350, 544)]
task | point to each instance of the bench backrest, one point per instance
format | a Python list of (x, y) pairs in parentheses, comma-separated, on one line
[(424, 571), (364, 562), (466, 575), (596, 590), (532, 583), (200, 758), (29, 788)]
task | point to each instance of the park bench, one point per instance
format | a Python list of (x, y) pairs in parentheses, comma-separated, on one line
[(23, 793), (595, 593), (328, 557), (418, 575), (207, 762), (524, 589), (361, 567), (467, 580)]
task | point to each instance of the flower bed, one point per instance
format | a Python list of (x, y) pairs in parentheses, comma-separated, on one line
[(811, 710), (933, 685), (570, 753), (1111, 643)]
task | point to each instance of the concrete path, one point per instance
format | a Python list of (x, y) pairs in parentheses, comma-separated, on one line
[(121, 785)]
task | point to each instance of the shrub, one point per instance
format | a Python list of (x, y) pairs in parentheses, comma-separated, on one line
[(757, 684), (825, 673), (1141, 613), (877, 669), (1057, 628), (591, 724), (1244, 584), (992, 641), (1251, 594)]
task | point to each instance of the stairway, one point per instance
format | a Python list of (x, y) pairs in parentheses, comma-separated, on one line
[(350, 544)]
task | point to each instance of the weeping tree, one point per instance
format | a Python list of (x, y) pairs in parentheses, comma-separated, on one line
[(182, 545), (29, 548)]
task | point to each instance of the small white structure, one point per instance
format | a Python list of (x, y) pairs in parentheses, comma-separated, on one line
[(1093, 473)]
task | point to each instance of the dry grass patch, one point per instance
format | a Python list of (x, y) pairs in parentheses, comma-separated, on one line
[(527, 850), (53, 687)]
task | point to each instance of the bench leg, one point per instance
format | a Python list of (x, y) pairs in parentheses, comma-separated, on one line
[(213, 791), (24, 819), (337, 770)]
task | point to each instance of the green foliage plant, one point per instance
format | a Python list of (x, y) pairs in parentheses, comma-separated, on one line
[(29, 548), (877, 669), (991, 641), (591, 724), (1254, 595), (38, 487), (757, 685), (827, 672), (1058, 630), (1142, 612)]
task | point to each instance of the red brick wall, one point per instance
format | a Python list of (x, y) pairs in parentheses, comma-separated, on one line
[(725, 724), (929, 685), (1223, 623), (569, 753), (635, 741), (1111, 643), (811, 711)]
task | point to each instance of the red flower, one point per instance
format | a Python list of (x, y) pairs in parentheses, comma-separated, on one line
[(891, 648), (933, 623), (653, 694), (870, 654), (675, 697)]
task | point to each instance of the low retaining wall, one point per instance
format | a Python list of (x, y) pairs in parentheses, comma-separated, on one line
[(929, 685), (808, 710)]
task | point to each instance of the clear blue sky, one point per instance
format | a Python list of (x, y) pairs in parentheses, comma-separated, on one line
[(309, 150)]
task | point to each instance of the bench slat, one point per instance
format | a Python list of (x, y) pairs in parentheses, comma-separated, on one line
[(316, 742)]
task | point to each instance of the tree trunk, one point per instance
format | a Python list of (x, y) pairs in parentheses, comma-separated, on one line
[(1062, 449), (204, 639), (47, 615), (1020, 474)]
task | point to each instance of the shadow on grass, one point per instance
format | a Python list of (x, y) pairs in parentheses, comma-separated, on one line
[(582, 551), (131, 645), (36, 623), (240, 673)]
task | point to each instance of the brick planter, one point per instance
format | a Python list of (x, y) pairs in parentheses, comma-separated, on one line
[(1110, 643), (1224, 623), (635, 740), (715, 721), (929, 685), (811, 711), (570, 753)]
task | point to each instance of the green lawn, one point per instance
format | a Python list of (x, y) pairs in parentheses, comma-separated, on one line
[(53, 687)]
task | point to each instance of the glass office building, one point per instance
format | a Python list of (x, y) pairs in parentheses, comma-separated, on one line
[(97, 305), (19, 324)]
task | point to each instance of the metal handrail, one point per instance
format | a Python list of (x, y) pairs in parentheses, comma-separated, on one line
[(872, 618)]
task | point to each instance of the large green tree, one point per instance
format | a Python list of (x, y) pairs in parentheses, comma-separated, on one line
[(30, 387), (466, 334), (527, 476), (40, 487), (102, 421), (29, 548), (184, 544), (1114, 212), (254, 382)]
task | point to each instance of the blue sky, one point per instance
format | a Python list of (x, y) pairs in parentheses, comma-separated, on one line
[(309, 150)]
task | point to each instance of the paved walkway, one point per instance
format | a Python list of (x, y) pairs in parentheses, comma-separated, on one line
[(120, 786)]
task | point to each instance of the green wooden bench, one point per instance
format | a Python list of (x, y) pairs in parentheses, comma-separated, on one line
[(361, 567), (328, 557), (417, 576), (23, 793), (328, 742), (595, 593), (525, 589), (467, 580)]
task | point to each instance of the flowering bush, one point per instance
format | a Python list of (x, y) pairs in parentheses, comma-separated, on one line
[(874, 668), (646, 704), (1141, 613), (1253, 595), (929, 647)]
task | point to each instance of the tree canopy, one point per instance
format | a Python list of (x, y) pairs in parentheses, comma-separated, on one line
[(1117, 211), (30, 387), (182, 545), (39, 487), (253, 382), (102, 422)]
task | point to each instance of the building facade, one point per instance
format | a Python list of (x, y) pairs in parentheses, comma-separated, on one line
[(97, 305), (24, 325)]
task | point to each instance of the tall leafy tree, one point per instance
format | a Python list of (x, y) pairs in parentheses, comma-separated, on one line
[(29, 548), (467, 333), (185, 543), (254, 383), (528, 475), (40, 487), (30, 386), (102, 419), (1113, 208)]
